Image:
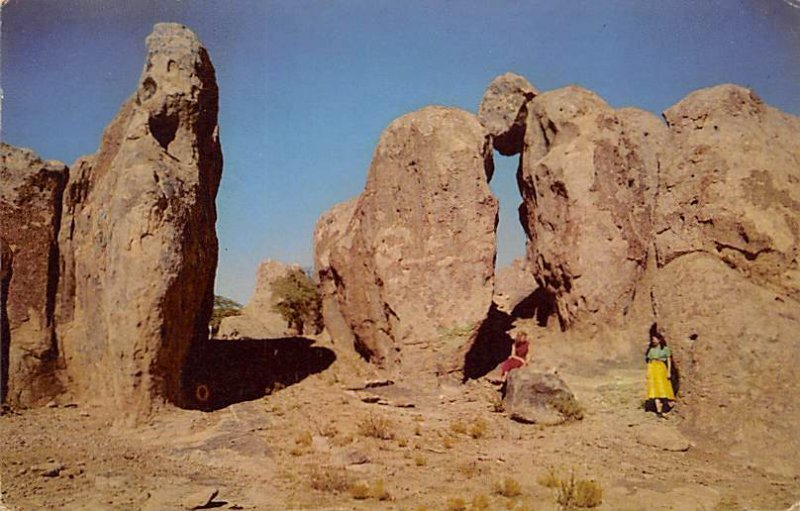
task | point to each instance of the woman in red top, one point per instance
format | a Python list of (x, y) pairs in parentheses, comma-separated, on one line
[(518, 358)]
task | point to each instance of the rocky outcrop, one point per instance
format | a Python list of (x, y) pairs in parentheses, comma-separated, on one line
[(730, 186), (30, 213), (417, 257), (588, 186), (504, 112), (513, 284), (735, 345), (331, 232), (535, 397), (139, 249), (258, 319)]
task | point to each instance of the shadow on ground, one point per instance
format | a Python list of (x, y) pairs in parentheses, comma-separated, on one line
[(220, 373), (492, 344)]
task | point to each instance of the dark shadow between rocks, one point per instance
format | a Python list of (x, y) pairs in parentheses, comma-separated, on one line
[(540, 305), (492, 344), (220, 373)]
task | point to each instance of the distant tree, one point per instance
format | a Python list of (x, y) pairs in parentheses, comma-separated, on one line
[(296, 298), (224, 307)]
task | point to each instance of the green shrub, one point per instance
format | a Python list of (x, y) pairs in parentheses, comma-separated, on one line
[(224, 307), (297, 299)]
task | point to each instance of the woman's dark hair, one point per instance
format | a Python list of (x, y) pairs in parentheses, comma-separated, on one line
[(654, 333)]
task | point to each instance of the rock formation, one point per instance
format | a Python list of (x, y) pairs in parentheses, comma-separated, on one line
[(730, 186), (504, 112), (139, 249), (735, 344), (417, 257), (258, 319), (330, 232), (30, 213), (587, 178), (513, 284), (536, 397), (725, 294)]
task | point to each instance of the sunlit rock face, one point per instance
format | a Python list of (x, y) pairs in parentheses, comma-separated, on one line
[(138, 243), (588, 180), (30, 214), (730, 186), (416, 258)]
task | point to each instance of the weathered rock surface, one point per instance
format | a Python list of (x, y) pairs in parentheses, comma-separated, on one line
[(731, 186), (139, 249), (536, 397), (588, 186), (735, 344), (330, 232), (259, 319), (513, 283), (417, 256), (30, 214), (504, 111)]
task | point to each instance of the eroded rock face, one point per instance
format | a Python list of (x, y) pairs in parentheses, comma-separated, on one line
[(587, 178), (332, 231), (259, 319), (417, 257), (30, 213), (504, 111), (731, 186), (139, 249), (734, 343)]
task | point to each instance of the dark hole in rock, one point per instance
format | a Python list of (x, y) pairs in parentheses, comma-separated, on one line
[(219, 373), (163, 127), (149, 87), (693, 337)]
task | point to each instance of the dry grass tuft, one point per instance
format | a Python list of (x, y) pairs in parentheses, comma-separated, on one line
[(480, 503), (374, 426), (477, 429), (362, 490), (329, 479), (567, 406), (419, 460), (508, 487), (573, 493), (458, 427), (456, 504), (550, 479)]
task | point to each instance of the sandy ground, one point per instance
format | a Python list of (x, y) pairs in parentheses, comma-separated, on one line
[(308, 446)]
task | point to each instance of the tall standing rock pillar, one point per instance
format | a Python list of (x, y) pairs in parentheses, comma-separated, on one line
[(30, 214), (139, 247)]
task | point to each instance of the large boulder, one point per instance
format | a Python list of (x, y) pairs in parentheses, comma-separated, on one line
[(417, 257), (536, 397), (30, 214), (258, 319), (587, 178), (139, 249), (735, 345), (730, 186), (330, 231), (504, 111)]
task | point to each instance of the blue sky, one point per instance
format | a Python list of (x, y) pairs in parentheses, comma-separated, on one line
[(306, 86)]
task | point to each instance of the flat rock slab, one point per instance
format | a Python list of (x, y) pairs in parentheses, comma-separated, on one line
[(662, 437)]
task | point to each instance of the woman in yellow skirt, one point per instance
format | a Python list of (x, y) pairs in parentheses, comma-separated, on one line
[(659, 371)]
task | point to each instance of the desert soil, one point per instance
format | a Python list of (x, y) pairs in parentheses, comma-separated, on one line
[(306, 446)]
